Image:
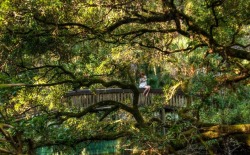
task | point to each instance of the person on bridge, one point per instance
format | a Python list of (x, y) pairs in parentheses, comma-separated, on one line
[(143, 84)]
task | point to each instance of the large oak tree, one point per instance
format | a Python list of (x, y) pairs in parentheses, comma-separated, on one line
[(51, 47)]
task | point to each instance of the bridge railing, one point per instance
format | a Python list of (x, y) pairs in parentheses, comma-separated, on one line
[(83, 98)]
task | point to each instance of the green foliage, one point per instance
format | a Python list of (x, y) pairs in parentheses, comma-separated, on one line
[(50, 47), (228, 107), (202, 84)]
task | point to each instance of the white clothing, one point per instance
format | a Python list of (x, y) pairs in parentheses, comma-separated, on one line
[(143, 82), (142, 85)]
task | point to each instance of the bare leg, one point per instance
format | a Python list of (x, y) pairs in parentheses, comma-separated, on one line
[(146, 91)]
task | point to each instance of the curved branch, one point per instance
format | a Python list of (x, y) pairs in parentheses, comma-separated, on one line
[(142, 31), (144, 20), (64, 24), (190, 48), (134, 111)]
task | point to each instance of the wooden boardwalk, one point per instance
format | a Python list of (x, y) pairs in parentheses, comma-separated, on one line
[(84, 98)]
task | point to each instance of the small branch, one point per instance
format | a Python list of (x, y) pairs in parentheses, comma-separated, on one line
[(190, 49), (235, 34), (8, 137), (53, 67), (113, 5), (36, 85)]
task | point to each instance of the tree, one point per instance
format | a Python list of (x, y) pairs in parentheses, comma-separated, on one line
[(49, 48)]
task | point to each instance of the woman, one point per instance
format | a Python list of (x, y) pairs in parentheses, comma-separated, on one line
[(143, 84)]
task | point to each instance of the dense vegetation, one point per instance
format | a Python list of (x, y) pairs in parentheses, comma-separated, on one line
[(199, 46)]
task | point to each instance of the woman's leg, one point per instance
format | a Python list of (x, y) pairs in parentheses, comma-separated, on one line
[(146, 91)]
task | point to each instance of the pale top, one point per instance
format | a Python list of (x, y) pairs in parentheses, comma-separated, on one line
[(143, 82)]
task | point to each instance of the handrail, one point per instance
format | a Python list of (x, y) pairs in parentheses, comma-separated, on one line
[(113, 91)]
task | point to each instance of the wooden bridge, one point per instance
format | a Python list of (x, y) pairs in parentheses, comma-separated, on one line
[(83, 98)]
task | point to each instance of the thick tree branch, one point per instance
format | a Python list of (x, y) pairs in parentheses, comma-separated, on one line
[(132, 110), (214, 132), (223, 130), (237, 53), (93, 107), (144, 20)]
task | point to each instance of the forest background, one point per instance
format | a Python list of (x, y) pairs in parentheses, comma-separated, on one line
[(50, 47)]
